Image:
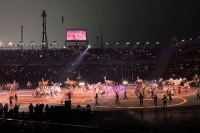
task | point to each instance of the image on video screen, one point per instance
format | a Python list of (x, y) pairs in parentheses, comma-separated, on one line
[(76, 35)]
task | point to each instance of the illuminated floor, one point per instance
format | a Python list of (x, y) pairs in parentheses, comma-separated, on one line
[(107, 102)]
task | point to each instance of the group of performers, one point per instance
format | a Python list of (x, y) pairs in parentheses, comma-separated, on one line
[(12, 95), (43, 90), (142, 89), (170, 87)]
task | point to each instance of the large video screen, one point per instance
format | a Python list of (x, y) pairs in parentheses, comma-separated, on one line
[(76, 35)]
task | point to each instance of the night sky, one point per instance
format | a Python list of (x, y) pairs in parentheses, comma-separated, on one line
[(121, 20)]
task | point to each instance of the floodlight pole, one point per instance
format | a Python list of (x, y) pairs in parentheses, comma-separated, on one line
[(44, 34), (97, 37), (22, 34), (101, 39)]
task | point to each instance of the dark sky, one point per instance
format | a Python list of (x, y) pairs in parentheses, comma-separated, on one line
[(121, 20)]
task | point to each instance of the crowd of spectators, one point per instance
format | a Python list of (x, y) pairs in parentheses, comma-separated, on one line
[(92, 65), (32, 56), (185, 62)]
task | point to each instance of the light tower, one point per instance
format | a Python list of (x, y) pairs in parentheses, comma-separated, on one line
[(21, 42), (44, 34), (97, 37), (21, 34), (101, 39)]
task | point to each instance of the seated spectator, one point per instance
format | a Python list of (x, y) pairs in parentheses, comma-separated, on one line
[(1, 110), (88, 107), (78, 107), (5, 109), (16, 110)]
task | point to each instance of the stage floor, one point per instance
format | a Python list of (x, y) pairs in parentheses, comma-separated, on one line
[(106, 101)]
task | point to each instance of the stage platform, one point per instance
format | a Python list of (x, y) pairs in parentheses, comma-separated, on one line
[(106, 101)]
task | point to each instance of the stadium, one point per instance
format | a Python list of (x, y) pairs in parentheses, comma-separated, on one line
[(112, 86), (89, 66)]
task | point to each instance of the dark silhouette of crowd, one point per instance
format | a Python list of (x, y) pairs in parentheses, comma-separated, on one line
[(42, 114)]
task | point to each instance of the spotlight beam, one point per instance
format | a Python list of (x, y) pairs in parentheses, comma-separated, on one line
[(78, 59)]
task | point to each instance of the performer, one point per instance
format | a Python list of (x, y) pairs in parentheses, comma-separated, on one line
[(197, 93), (117, 99), (125, 96), (141, 97), (16, 97), (135, 90), (69, 96), (29, 85), (155, 99), (37, 93), (179, 89), (152, 93), (197, 82), (96, 100), (10, 100), (170, 97), (164, 101)]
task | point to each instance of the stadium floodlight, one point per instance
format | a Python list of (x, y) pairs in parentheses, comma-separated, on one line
[(20, 42), (137, 42), (147, 42), (107, 43), (127, 43), (32, 43), (157, 42), (9, 44), (117, 43), (54, 43), (125, 82)]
